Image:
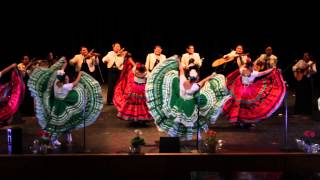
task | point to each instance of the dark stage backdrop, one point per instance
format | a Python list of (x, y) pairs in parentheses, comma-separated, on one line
[(213, 29)]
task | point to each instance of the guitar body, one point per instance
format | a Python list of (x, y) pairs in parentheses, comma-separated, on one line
[(259, 66), (221, 61), (300, 72)]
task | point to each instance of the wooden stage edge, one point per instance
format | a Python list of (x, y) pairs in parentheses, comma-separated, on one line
[(154, 165)]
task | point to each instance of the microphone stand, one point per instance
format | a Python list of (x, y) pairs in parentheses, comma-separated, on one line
[(85, 150), (100, 73), (198, 120), (285, 123), (98, 65)]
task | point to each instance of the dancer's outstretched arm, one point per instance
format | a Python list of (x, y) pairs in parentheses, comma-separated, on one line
[(75, 82), (262, 73), (203, 81), (64, 65), (7, 69)]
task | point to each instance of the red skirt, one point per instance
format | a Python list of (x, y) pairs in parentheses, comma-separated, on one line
[(130, 100), (254, 102), (11, 96)]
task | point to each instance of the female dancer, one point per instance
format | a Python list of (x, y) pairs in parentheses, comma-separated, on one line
[(130, 98), (11, 94), (174, 98), (254, 95), (63, 106)]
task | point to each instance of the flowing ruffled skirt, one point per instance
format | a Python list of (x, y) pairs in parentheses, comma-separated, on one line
[(11, 96), (177, 115), (254, 102), (81, 107), (129, 98)]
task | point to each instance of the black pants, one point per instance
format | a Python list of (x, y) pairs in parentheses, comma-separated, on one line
[(113, 76), (95, 74), (303, 103), (27, 106)]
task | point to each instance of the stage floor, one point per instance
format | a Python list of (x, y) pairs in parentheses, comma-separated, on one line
[(111, 135)]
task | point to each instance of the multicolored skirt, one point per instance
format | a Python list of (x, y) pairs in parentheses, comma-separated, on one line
[(254, 102), (81, 107), (130, 99), (11, 96), (177, 115)]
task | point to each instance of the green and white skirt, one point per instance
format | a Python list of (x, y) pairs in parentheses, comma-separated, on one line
[(176, 115), (80, 107)]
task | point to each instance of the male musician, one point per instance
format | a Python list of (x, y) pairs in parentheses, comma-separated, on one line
[(51, 59), (239, 60), (85, 61), (266, 61), (189, 56), (114, 60), (24, 66), (153, 59), (304, 85)]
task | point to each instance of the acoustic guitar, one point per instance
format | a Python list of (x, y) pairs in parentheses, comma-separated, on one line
[(299, 73), (260, 66), (221, 61)]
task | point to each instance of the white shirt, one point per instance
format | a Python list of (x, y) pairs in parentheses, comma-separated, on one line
[(113, 59), (310, 67), (246, 80), (186, 57), (187, 93), (78, 59), (272, 59), (62, 92), (151, 60)]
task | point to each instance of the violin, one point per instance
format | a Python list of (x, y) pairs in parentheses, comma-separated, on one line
[(92, 54)]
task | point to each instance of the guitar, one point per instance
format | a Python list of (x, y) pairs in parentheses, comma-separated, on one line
[(226, 59), (260, 66), (299, 73), (27, 69), (265, 62), (221, 61)]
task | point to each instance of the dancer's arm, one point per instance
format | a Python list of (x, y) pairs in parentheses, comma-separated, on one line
[(5, 70), (64, 65), (181, 69), (131, 61), (262, 73), (75, 82), (203, 81)]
